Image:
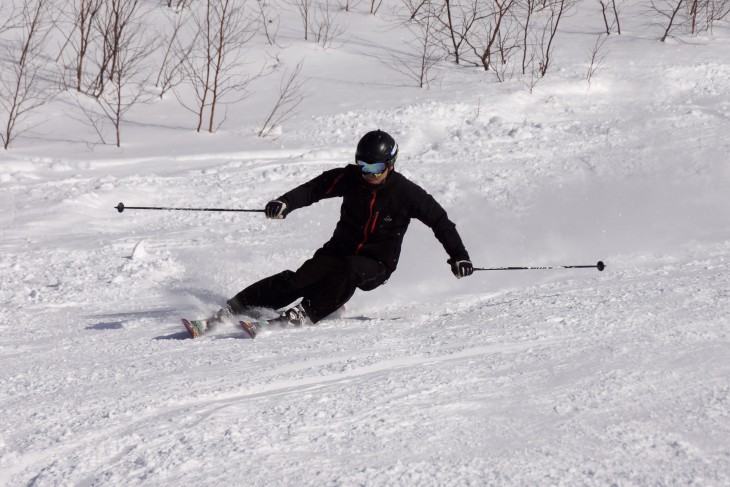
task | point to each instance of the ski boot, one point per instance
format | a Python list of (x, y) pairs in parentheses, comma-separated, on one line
[(198, 328), (223, 315), (295, 316)]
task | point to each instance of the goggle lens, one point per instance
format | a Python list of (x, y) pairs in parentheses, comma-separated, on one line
[(375, 168)]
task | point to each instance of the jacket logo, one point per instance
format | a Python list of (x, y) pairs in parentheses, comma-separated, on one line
[(387, 219)]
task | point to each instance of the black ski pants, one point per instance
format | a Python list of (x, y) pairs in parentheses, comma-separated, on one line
[(323, 282)]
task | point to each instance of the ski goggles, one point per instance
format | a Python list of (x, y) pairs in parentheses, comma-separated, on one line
[(374, 168)]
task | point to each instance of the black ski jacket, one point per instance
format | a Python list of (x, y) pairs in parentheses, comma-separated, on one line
[(374, 218)]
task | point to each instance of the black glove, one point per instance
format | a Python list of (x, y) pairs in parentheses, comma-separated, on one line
[(275, 210), (461, 268)]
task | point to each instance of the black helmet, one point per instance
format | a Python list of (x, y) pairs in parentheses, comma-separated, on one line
[(377, 146)]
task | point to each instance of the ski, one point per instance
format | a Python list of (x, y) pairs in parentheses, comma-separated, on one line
[(198, 328), (294, 316), (195, 328), (251, 327)]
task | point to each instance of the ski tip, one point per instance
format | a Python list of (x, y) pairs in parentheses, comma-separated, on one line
[(195, 328), (188, 326), (251, 328)]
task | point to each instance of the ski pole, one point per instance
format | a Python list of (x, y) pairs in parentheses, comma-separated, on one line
[(120, 208), (600, 266)]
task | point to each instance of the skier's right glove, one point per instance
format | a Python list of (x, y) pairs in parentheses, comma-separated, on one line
[(276, 210), (461, 268)]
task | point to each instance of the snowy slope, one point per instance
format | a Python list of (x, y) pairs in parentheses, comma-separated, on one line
[(504, 378)]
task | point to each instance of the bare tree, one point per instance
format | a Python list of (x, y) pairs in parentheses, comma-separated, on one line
[(694, 11), (484, 42), (324, 27), (557, 9), (533, 76), (110, 24), (494, 32), (102, 55), (414, 7), (605, 18), (22, 85), (704, 13), (10, 14), (176, 53), (690, 16), (179, 5), (214, 68), (269, 19), (375, 6), (539, 21), (598, 57), (528, 7), (81, 39), (456, 44), (669, 11), (305, 10), (614, 9), (458, 19), (291, 95), (615, 15), (427, 51), (717, 10), (507, 42), (349, 4), (126, 72)]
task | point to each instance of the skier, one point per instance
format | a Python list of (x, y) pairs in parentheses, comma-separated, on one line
[(377, 206)]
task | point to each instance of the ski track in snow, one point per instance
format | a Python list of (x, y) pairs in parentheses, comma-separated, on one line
[(521, 377), (535, 378)]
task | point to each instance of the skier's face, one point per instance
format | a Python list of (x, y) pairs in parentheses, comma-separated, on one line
[(376, 178)]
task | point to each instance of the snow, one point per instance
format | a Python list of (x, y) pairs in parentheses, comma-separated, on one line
[(563, 377)]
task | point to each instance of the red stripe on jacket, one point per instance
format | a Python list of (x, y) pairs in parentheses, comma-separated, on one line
[(369, 228)]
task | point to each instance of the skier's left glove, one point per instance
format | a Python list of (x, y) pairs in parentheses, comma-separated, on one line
[(275, 210), (461, 268)]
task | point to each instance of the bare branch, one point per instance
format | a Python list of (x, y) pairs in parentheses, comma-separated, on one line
[(691, 16), (22, 85), (291, 95), (269, 20), (598, 57), (458, 20), (214, 68), (427, 52), (126, 72), (557, 10), (605, 19), (305, 10), (178, 5), (349, 4), (323, 26), (615, 14), (671, 15), (10, 14), (484, 36), (171, 72)]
